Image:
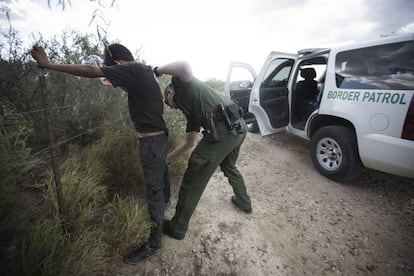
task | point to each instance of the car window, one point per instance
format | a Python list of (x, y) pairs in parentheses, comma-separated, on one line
[(277, 74), (388, 66), (241, 79)]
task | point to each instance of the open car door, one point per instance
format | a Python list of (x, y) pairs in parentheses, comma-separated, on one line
[(239, 83), (269, 99), (265, 97)]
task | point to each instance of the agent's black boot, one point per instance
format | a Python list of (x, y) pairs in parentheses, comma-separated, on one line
[(166, 229), (142, 253), (236, 203)]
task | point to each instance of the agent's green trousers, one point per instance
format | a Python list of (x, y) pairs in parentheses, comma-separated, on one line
[(203, 162)]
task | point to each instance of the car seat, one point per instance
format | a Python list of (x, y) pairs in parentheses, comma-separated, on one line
[(306, 93), (307, 88)]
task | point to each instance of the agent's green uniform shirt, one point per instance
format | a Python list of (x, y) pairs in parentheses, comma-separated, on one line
[(187, 97)]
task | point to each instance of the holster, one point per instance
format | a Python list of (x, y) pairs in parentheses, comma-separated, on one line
[(210, 132), (230, 115), (234, 112)]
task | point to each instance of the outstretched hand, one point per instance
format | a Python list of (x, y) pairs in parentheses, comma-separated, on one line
[(39, 54)]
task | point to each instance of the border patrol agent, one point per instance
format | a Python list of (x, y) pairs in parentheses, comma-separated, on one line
[(224, 132)]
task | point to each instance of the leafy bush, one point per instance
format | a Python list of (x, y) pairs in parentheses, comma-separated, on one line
[(15, 166), (13, 152)]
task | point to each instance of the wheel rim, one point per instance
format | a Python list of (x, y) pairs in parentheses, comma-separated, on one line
[(329, 154)]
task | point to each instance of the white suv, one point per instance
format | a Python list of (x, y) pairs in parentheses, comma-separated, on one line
[(355, 103)]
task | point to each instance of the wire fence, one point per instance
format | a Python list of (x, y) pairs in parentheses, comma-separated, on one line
[(12, 164), (58, 108)]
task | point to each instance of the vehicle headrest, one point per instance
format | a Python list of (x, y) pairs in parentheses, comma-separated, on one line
[(308, 73)]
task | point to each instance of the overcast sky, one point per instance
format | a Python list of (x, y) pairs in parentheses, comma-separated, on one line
[(210, 34)]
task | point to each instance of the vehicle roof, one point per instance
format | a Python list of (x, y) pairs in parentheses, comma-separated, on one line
[(308, 51), (378, 41), (356, 44)]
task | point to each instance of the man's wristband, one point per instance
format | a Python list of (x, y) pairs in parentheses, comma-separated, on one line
[(157, 74)]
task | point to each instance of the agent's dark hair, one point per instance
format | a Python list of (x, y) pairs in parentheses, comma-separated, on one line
[(116, 52)]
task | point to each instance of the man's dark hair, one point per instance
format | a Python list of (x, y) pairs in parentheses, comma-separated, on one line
[(116, 52)]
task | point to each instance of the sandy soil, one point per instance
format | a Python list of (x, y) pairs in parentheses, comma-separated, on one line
[(302, 223)]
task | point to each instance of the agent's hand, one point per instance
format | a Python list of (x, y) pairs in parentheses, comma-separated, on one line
[(39, 54)]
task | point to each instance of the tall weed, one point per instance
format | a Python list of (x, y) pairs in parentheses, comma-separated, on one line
[(125, 222), (101, 220), (117, 151), (54, 251), (82, 188), (95, 226)]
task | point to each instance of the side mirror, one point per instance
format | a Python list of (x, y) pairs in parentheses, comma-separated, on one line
[(246, 84)]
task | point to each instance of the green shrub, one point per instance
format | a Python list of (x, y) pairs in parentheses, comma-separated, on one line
[(14, 154), (16, 210)]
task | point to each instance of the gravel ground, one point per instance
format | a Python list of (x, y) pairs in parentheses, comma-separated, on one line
[(302, 223)]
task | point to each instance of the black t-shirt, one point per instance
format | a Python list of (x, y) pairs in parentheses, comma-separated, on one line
[(144, 94)]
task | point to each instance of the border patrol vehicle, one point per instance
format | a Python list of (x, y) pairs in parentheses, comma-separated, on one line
[(354, 103)]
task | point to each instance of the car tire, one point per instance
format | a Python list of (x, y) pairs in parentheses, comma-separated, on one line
[(334, 153), (253, 127)]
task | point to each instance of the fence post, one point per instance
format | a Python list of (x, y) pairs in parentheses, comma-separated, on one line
[(52, 146)]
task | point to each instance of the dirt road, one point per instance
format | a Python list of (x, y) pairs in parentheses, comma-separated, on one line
[(302, 223)]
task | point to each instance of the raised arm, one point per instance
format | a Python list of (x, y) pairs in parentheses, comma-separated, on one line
[(89, 71), (180, 69)]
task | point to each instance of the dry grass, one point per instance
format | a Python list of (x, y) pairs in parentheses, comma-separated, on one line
[(100, 221)]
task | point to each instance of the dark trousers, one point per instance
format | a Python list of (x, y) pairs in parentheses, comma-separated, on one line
[(203, 162), (153, 154)]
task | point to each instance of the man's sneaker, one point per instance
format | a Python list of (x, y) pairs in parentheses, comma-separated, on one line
[(166, 229), (236, 203), (140, 254)]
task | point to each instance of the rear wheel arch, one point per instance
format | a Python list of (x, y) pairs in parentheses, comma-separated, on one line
[(326, 120)]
